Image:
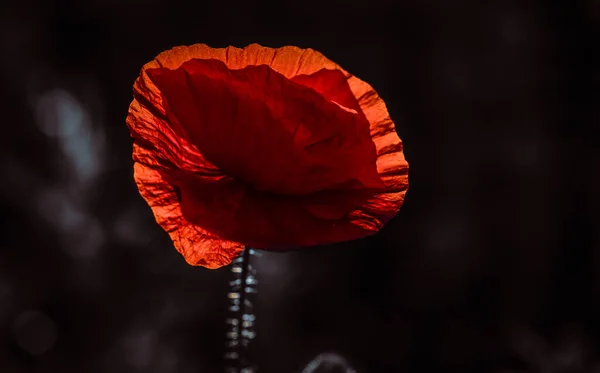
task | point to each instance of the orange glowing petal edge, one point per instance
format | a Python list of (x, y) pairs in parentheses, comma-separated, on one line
[(147, 123)]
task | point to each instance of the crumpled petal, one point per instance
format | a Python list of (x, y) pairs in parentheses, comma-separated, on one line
[(263, 147), (265, 130)]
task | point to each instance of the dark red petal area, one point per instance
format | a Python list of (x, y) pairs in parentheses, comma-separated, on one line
[(229, 209), (269, 132), (332, 85), (298, 157)]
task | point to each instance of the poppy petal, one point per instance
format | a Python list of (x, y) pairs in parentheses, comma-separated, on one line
[(332, 85), (188, 169), (198, 246), (228, 209), (258, 127)]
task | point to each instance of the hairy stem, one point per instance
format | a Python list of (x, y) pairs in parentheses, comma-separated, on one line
[(242, 318)]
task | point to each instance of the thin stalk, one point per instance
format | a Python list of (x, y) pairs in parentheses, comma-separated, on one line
[(242, 319)]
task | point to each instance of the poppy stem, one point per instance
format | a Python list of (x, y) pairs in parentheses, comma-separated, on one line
[(241, 331)]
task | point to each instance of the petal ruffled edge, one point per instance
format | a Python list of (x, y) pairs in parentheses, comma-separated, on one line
[(198, 247), (391, 163), (288, 61)]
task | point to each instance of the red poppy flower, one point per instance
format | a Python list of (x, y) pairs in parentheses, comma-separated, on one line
[(271, 148)]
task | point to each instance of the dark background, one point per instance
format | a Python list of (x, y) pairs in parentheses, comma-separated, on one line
[(490, 266)]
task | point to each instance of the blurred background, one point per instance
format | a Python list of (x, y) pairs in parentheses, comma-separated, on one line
[(492, 265)]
